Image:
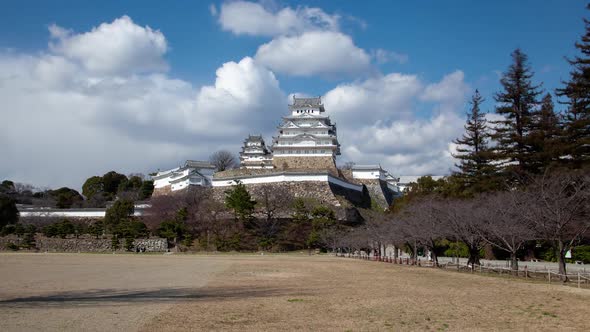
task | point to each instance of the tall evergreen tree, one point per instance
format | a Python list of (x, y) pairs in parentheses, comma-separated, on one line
[(577, 93), (475, 166), (516, 103), (545, 137)]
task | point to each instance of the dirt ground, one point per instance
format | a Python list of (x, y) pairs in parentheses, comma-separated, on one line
[(271, 292)]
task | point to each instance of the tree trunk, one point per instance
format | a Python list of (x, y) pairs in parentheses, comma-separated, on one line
[(514, 263), (473, 257), (434, 257), (561, 261)]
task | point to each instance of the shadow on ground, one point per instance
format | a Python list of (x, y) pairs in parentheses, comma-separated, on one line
[(122, 297)]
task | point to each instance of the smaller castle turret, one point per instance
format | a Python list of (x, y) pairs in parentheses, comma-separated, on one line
[(255, 154)]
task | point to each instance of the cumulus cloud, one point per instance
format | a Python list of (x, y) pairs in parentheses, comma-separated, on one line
[(113, 48), (250, 18), (379, 122), (66, 120), (316, 52), (382, 56)]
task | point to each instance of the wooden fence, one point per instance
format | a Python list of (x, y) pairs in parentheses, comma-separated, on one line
[(581, 279)]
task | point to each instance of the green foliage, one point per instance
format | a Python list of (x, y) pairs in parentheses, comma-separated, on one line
[(476, 171), (66, 197), (322, 219), (129, 228), (121, 210), (8, 211), (517, 104), (12, 246), (576, 90), (60, 229), (114, 242), (146, 189), (7, 186), (239, 200), (581, 253), (96, 229), (111, 182), (28, 241), (92, 186)]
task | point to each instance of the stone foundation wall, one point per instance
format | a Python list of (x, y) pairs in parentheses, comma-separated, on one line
[(379, 192), (319, 191), (320, 162), (86, 244), (162, 191), (323, 192)]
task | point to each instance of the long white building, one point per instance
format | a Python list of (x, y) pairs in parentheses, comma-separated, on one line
[(192, 173)]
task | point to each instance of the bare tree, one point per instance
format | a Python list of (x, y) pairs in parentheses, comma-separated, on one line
[(426, 224), (500, 223), (223, 160), (459, 217), (557, 205), (274, 202)]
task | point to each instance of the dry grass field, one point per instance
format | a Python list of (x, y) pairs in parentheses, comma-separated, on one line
[(271, 292)]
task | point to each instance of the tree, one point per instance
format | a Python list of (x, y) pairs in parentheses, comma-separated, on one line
[(462, 223), (129, 229), (577, 93), (239, 200), (7, 187), (8, 211), (146, 189), (272, 201), (475, 166), (297, 231), (557, 206), (175, 229), (501, 224), (66, 197), (545, 137), (92, 186), (121, 210), (223, 160), (111, 182), (322, 219), (516, 104)]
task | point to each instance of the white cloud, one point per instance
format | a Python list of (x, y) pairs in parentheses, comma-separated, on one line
[(213, 9), (450, 89), (250, 18), (314, 53), (64, 121), (382, 56), (113, 48), (379, 122)]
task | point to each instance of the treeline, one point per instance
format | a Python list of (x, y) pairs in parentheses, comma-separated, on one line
[(96, 192), (522, 182)]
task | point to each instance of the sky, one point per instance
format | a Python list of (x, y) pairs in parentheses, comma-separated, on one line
[(137, 86)]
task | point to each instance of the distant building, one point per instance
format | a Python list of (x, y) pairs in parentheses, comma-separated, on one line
[(306, 138), (192, 173), (255, 154)]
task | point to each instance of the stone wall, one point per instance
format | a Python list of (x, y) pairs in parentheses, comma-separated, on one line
[(379, 192), (85, 244), (319, 162), (167, 190)]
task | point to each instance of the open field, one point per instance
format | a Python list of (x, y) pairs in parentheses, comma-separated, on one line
[(271, 292)]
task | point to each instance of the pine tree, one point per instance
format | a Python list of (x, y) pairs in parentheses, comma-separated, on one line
[(577, 93), (544, 137), (516, 104), (475, 165)]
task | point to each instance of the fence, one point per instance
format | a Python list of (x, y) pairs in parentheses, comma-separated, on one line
[(581, 279)]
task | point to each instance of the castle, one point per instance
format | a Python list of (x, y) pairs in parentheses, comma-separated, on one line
[(302, 159)]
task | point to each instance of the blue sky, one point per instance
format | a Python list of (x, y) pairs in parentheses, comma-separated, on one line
[(432, 53)]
